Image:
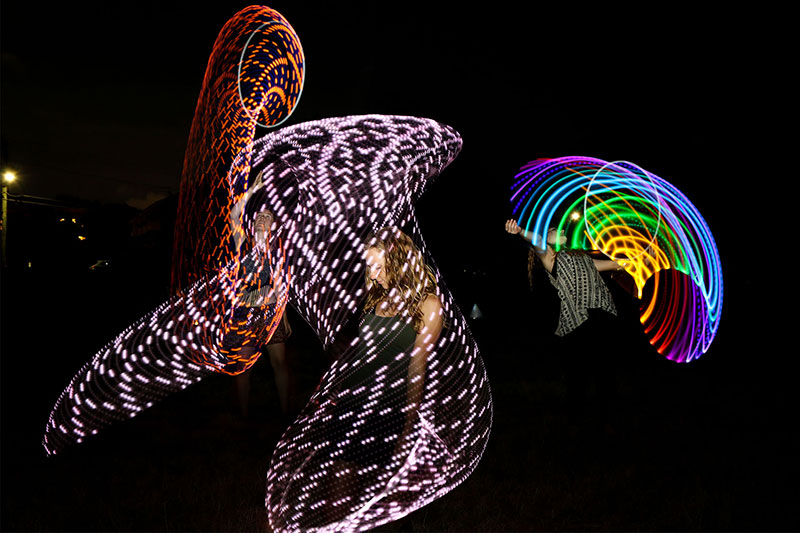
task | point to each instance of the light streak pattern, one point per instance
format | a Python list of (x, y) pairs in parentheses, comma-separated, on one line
[(254, 77), (255, 74), (170, 348), (331, 182), (643, 222), (344, 178)]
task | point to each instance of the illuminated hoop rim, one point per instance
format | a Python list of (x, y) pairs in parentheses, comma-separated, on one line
[(239, 79), (618, 164)]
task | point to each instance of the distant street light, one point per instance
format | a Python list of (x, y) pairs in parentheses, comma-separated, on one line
[(8, 177)]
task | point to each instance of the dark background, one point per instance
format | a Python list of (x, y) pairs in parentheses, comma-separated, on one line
[(97, 102)]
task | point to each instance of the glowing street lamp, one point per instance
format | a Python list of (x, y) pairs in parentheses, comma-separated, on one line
[(8, 177)]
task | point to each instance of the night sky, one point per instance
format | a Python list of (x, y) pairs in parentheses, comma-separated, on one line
[(98, 100)]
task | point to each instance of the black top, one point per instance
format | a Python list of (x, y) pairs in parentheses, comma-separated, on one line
[(256, 283), (382, 339)]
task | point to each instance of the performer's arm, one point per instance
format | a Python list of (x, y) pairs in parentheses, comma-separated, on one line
[(515, 229), (608, 265), (235, 221), (235, 216), (423, 345)]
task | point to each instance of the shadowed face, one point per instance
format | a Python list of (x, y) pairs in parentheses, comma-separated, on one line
[(376, 264), (262, 223), (556, 237)]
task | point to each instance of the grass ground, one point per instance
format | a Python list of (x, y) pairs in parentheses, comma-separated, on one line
[(701, 447)]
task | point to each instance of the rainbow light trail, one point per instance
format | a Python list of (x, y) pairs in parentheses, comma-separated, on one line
[(643, 222)]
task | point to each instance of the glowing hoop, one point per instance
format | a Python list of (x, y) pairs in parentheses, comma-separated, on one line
[(646, 224)]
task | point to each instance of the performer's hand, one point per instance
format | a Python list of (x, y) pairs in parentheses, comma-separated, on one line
[(238, 207), (257, 183), (512, 227)]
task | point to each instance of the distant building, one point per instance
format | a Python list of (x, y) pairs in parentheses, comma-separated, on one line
[(157, 218), (47, 234)]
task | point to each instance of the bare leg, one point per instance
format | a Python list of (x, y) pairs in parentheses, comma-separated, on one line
[(277, 357), (241, 384)]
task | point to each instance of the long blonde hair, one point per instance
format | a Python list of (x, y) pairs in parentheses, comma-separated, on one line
[(409, 279)]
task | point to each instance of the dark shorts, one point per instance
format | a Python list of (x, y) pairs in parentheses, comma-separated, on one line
[(280, 334), (251, 319)]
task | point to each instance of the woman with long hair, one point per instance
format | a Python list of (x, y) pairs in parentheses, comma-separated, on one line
[(586, 320), (402, 314), (401, 288), (377, 407), (573, 273)]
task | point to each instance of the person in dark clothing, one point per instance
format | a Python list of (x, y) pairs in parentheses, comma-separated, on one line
[(377, 407), (258, 293)]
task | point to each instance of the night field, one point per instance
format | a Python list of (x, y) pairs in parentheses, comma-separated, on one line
[(97, 104), (706, 446)]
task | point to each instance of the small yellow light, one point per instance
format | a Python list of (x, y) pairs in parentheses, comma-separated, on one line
[(74, 221), (575, 215), (9, 176), (81, 238)]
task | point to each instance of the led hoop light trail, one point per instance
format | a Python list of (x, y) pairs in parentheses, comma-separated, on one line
[(334, 181), (329, 183), (254, 77), (182, 341), (270, 76), (167, 350), (643, 222)]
